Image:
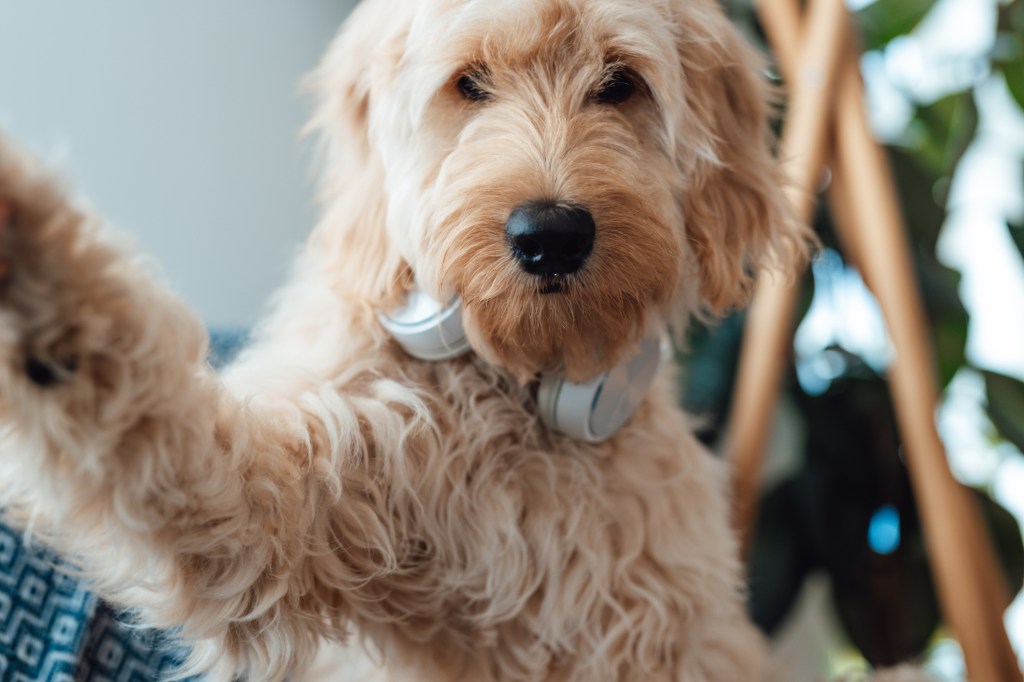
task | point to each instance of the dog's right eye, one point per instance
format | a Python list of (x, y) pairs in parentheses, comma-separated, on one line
[(618, 86), (470, 88)]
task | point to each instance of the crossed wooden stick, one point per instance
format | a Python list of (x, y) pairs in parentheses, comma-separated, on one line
[(827, 121)]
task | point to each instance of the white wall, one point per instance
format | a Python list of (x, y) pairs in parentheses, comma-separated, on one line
[(180, 121)]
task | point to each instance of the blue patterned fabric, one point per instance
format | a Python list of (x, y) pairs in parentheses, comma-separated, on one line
[(52, 629)]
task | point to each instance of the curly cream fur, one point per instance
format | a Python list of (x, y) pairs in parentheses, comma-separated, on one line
[(328, 488)]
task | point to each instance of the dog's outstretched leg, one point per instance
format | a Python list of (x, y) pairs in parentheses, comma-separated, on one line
[(123, 449)]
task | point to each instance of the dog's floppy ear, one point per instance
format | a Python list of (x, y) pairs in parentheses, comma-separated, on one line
[(737, 219), (352, 228)]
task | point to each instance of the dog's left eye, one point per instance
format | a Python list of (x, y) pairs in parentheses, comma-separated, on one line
[(618, 86), (470, 88)]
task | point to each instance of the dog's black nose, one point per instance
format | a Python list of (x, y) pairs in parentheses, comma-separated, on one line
[(550, 238)]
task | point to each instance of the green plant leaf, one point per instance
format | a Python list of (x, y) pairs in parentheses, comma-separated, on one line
[(1013, 72), (947, 316), (1017, 228), (940, 133), (1011, 16), (1008, 51), (1006, 538), (915, 184), (779, 558), (1006, 406), (709, 371), (886, 19), (1017, 235)]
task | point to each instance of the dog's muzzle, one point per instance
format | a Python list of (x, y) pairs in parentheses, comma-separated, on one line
[(592, 411)]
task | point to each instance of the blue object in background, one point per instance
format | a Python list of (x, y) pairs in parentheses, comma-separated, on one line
[(225, 344), (884, 530)]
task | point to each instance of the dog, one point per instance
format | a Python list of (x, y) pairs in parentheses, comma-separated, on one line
[(577, 174)]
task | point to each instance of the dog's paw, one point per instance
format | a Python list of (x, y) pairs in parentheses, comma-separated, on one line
[(51, 365), (39, 243), (68, 296), (83, 324), (37, 371)]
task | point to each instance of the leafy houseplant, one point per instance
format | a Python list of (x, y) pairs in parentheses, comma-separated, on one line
[(848, 510)]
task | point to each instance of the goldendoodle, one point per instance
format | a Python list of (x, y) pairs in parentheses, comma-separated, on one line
[(567, 178)]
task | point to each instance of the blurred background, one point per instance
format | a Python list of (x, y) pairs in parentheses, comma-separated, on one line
[(839, 558), (180, 121)]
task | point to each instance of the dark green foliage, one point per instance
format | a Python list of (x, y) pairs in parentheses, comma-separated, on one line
[(915, 186), (885, 20), (923, 199), (939, 135), (1013, 72), (1006, 406), (1008, 55), (709, 370), (1017, 235), (820, 520), (946, 314)]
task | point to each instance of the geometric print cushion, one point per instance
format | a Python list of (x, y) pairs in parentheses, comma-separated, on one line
[(54, 630)]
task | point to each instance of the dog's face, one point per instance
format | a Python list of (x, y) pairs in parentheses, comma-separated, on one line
[(574, 170)]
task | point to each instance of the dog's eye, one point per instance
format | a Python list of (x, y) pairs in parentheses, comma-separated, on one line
[(470, 88), (618, 86)]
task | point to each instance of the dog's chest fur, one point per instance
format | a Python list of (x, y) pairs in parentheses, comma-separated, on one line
[(464, 537), (506, 533)]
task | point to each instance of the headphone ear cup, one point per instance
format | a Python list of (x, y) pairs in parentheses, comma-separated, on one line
[(425, 328), (566, 406), (595, 411)]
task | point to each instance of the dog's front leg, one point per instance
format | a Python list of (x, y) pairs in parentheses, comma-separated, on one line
[(123, 449)]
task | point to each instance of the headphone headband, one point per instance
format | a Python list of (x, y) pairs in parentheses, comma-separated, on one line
[(592, 411), (426, 329)]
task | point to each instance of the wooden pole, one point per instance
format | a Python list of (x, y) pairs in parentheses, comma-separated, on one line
[(767, 341), (971, 588)]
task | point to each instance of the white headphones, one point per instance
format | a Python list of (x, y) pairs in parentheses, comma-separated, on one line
[(593, 411)]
